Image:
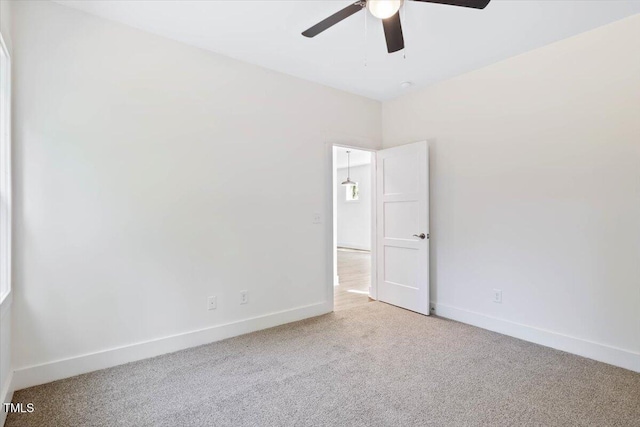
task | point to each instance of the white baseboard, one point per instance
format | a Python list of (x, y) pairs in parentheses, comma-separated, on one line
[(601, 352), (6, 396), (354, 246), (40, 374)]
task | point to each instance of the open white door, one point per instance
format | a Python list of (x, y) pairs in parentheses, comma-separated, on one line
[(403, 226)]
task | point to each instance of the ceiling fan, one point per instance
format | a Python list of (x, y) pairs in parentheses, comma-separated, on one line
[(389, 12)]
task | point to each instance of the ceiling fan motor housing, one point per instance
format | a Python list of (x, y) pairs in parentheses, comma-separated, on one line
[(388, 12)]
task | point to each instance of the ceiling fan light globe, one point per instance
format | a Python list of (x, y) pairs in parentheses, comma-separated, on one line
[(384, 9)]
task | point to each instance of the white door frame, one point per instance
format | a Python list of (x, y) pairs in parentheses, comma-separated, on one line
[(331, 215)]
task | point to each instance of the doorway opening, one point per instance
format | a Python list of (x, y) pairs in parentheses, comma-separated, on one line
[(354, 194)]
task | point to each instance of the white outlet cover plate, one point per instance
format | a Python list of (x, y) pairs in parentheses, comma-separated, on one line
[(497, 296)]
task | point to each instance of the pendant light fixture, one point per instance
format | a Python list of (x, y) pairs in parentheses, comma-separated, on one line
[(348, 181)]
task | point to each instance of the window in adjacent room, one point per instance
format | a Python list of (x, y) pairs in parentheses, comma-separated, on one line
[(353, 192)]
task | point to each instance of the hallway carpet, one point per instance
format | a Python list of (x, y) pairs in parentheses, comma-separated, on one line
[(374, 365)]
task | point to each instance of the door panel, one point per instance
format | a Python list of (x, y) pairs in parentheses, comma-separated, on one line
[(402, 264), (401, 219), (400, 174), (403, 211)]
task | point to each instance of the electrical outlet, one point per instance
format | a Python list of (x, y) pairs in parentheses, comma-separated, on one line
[(212, 303), (317, 218), (497, 296), (244, 297)]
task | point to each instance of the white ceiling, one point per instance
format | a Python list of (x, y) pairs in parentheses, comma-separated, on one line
[(358, 157), (441, 41)]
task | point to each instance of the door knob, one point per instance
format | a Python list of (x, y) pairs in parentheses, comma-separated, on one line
[(421, 235)]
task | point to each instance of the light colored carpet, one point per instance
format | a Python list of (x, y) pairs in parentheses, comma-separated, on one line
[(368, 366)]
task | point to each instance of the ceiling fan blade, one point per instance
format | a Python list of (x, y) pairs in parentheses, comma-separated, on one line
[(393, 33), (333, 19), (476, 4)]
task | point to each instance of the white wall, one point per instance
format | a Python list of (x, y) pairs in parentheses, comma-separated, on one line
[(6, 369), (535, 190), (6, 389), (354, 217), (150, 175)]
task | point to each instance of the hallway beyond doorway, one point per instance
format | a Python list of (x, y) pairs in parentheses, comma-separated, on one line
[(354, 271)]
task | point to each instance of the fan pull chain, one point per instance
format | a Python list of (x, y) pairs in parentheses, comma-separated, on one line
[(404, 19), (365, 37)]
